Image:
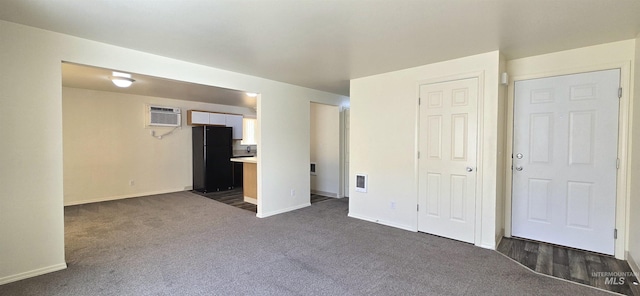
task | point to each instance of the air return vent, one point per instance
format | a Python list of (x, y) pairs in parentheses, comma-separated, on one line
[(163, 116), (361, 183)]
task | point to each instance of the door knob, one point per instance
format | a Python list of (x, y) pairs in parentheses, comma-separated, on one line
[(518, 168), (469, 169)]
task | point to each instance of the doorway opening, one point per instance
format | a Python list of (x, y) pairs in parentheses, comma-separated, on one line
[(109, 150), (324, 158)]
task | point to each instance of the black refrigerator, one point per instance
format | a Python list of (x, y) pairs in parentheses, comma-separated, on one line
[(212, 150)]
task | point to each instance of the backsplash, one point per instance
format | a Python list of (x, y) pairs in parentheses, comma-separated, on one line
[(239, 149)]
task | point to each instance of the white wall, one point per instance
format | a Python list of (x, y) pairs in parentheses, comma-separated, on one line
[(325, 149), (106, 145), (503, 169), (592, 58), (31, 193), (634, 188), (384, 140)]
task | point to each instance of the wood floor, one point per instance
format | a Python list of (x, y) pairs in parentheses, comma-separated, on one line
[(318, 198), (234, 197), (584, 267)]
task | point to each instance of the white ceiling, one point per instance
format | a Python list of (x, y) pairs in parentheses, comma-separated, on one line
[(324, 44), (81, 76)]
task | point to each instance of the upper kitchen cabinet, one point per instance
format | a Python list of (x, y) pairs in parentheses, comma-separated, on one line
[(235, 122), (217, 119), (197, 117), (210, 118), (206, 118)]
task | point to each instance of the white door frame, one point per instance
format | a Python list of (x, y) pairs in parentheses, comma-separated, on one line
[(622, 194), (344, 151), (479, 75)]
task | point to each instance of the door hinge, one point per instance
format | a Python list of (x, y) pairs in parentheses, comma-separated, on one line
[(418, 208), (619, 92), (418, 154), (615, 233), (617, 163), (419, 101)]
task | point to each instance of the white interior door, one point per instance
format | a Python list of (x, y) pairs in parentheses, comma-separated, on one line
[(565, 157), (447, 165)]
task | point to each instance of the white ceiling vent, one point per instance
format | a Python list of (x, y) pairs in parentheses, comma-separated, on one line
[(163, 116)]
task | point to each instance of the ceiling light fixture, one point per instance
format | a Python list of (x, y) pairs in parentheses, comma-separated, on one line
[(121, 79), (253, 95)]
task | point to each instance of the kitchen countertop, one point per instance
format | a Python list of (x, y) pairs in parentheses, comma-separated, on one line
[(245, 159)]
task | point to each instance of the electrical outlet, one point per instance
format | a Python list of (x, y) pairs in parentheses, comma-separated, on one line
[(293, 193), (131, 183), (393, 205)]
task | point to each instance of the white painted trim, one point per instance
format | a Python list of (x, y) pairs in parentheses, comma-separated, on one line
[(508, 162), (32, 273), (498, 241), (624, 147), (480, 76), (488, 247), (622, 196), (633, 264), (383, 222), (289, 209), (251, 200), (324, 193), (480, 165), (344, 140), (125, 196)]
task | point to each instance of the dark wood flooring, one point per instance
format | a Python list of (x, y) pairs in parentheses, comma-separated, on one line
[(234, 197), (597, 270), (318, 198)]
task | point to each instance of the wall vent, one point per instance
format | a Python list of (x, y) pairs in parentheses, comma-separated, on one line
[(361, 183), (163, 116)]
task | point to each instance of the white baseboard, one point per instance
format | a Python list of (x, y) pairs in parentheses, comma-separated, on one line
[(499, 238), (498, 241), (633, 264), (116, 197), (32, 273), (485, 246), (387, 223), (289, 209), (324, 193), (251, 200)]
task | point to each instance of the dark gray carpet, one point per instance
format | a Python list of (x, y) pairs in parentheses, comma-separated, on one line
[(186, 244)]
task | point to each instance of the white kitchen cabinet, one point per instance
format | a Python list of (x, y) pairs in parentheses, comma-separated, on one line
[(210, 118), (197, 117), (217, 119), (235, 122)]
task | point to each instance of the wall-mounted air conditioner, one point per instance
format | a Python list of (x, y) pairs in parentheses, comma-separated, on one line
[(163, 116)]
